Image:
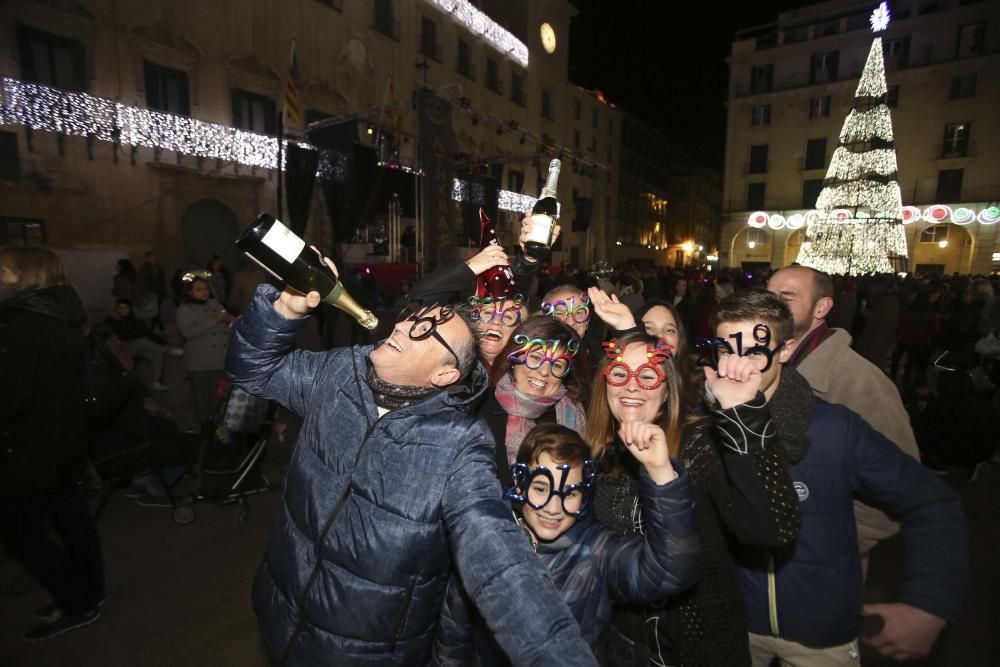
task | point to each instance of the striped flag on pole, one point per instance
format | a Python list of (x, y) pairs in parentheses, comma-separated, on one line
[(292, 104)]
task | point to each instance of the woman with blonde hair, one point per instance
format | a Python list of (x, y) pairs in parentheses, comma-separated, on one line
[(743, 493), (43, 442)]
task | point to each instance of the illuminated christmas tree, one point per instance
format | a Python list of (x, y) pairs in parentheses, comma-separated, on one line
[(859, 229)]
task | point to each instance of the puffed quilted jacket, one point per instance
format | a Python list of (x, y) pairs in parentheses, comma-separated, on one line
[(378, 512)]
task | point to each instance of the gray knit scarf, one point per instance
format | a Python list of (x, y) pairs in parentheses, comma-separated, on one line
[(390, 396)]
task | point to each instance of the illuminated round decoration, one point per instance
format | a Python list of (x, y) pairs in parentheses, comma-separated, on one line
[(758, 219), (937, 213), (861, 215), (841, 215), (910, 214), (963, 215), (989, 216), (548, 35), (796, 220), (813, 217), (776, 221)]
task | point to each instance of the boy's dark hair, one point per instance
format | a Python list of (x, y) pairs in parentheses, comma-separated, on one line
[(563, 444), (757, 306)]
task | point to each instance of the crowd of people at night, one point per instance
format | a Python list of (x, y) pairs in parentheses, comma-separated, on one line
[(633, 466)]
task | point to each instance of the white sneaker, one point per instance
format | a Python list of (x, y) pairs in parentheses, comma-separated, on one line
[(159, 386)]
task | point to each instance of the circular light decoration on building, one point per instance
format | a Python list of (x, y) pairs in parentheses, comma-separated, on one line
[(963, 215), (880, 18), (758, 219), (937, 213), (796, 220), (812, 217), (910, 214), (841, 215), (776, 221), (989, 216), (861, 215)]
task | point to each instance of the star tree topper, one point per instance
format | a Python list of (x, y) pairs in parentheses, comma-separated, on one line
[(880, 18)]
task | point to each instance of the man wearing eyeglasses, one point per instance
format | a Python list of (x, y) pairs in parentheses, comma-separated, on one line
[(392, 487)]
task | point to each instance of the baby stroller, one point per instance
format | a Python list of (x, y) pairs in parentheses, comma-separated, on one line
[(230, 455)]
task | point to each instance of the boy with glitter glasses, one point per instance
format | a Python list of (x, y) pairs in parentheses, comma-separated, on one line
[(590, 564)]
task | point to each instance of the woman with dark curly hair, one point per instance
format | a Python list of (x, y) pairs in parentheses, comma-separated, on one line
[(535, 380)]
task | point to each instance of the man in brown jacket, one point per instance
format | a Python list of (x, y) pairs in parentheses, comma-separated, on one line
[(838, 374)]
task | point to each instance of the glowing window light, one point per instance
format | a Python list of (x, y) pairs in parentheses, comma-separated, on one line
[(776, 221), (990, 215), (796, 221), (758, 219), (910, 214), (937, 213), (943, 244), (963, 215), (479, 23)]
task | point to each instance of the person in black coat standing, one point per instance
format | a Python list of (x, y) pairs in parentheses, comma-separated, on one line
[(43, 439)]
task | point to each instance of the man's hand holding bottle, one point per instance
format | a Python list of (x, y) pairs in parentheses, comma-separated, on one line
[(292, 304)]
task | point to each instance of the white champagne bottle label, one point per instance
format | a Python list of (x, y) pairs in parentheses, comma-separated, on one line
[(541, 229), (283, 241)]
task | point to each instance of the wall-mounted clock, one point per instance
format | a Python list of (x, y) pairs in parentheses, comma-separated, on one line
[(548, 35)]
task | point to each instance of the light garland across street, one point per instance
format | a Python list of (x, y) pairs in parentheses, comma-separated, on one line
[(80, 114)]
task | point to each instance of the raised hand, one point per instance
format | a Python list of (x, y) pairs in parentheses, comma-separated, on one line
[(293, 304), (487, 258), (909, 633), (736, 381), (648, 444), (526, 225), (612, 311)]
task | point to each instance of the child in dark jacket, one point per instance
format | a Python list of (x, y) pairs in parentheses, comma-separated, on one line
[(591, 565)]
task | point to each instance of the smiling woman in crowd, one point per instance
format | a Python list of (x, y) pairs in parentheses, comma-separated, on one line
[(535, 381)]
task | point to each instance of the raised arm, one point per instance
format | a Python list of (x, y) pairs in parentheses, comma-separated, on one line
[(505, 580), (751, 489), (259, 360), (663, 561)]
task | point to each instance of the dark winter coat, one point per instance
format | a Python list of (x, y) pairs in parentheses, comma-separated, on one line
[(131, 327), (43, 433), (378, 512), (743, 494), (593, 567), (817, 584)]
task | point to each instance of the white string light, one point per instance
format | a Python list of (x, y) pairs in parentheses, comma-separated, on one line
[(479, 23), (846, 165), (79, 114), (860, 229), (872, 83)]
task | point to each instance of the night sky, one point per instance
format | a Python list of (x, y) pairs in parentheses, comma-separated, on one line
[(670, 72)]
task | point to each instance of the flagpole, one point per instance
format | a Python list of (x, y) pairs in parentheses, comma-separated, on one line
[(381, 115)]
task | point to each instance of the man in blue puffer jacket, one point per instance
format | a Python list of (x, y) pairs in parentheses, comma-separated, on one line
[(805, 604), (391, 487)]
